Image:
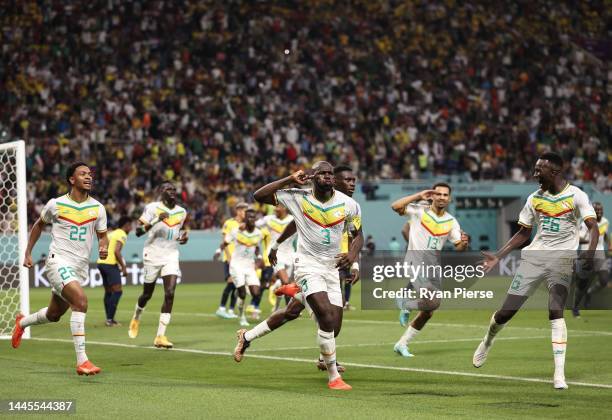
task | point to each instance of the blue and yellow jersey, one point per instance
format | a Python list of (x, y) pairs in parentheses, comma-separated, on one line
[(116, 236)]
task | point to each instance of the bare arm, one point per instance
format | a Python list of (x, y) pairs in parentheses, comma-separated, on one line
[(102, 244), (35, 232), (119, 258), (266, 193), (463, 243), (185, 233), (345, 260), (399, 205), (516, 241), (287, 233), (406, 231), (145, 227)]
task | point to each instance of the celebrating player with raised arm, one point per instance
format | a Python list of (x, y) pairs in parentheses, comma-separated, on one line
[(344, 181), (320, 215), (163, 220), (430, 227), (556, 209), (74, 218)]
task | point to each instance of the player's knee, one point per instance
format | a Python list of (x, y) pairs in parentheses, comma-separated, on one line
[(80, 304), (169, 295), (242, 293), (326, 322), (116, 288)]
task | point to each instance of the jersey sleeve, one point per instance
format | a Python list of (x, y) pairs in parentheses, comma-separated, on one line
[(49, 212), (289, 197), (354, 216), (101, 220), (261, 223), (527, 216), (584, 232), (455, 233), (413, 212), (230, 236), (583, 205), (148, 214)]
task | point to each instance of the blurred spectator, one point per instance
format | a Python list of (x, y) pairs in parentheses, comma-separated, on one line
[(221, 97), (394, 245)]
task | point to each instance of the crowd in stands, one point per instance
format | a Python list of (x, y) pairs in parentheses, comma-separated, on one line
[(222, 96)]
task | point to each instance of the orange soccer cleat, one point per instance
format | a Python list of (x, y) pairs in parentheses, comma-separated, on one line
[(17, 332), (87, 368), (339, 384), (290, 290)]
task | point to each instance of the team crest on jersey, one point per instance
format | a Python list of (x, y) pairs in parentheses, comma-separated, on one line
[(324, 217), (435, 226), (77, 215), (553, 207)]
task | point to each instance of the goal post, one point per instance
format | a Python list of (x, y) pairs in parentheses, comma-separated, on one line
[(14, 277)]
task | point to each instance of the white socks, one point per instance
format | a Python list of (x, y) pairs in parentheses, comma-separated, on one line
[(258, 331), (137, 312), (494, 328), (77, 327), (559, 344), (327, 343), (36, 318), (410, 333), (164, 320)]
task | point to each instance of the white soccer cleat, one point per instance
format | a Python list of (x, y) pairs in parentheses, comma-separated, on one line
[(244, 322), (480, 355), (559, 382)]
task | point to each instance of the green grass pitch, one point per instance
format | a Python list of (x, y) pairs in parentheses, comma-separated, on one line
[(278, 377)]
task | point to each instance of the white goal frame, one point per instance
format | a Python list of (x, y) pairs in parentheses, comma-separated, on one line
[(22, 226)]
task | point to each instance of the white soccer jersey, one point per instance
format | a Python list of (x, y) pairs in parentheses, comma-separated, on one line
[(320, 225), (276, 226), (602, 225), (429, 231), (557, 217), (73, 226), (245, 244), (162, 244)]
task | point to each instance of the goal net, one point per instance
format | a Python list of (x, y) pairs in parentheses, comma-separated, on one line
[(14, 287)]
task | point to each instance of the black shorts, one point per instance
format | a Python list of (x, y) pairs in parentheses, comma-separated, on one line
[(110, 274)]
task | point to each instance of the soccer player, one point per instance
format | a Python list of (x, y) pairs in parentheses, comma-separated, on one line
[(556, 209), (276, 224), (110, 270), (229, 290), (600, 269), (246, 239), (320, 215), (74, 217), (166, 223), (344, 181), (430, 227)]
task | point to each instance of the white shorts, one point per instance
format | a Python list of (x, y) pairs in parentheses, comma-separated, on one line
[(284, 262), (531, 274), (242, 275), (153, 271), (313, 277), (60, 272)]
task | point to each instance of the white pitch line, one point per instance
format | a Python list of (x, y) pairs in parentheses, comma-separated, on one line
[(372, 321), (452, 340), (360, 365)]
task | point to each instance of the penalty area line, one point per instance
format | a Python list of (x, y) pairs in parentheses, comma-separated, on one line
[(358, 365)]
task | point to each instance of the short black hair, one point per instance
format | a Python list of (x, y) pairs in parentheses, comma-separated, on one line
[(342, 168), (553, 158), (70, 170), (442, 184), (123, 220), (161, 184)]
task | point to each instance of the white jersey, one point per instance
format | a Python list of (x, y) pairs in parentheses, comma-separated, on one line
[(245, 246), (428, 231), (276, 226), (161, 245), (320, 225), (557, 217), (72, 233), (602, 226)]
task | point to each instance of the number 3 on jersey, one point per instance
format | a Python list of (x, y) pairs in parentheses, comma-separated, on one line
[(326, 236)]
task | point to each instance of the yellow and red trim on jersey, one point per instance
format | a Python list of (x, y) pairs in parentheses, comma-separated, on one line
[(553, 207), (248, 240), (173, 219), (435, 226), (324, 217), (77, 215)]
